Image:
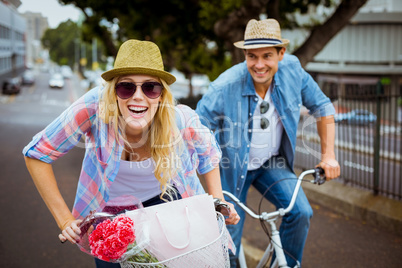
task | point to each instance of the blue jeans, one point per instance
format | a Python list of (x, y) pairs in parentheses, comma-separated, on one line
[(295, 225)]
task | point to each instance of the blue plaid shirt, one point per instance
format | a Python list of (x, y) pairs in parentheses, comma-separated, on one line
[(103, 150)]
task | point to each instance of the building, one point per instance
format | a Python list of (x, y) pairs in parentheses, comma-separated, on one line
[(366, 51), (360, 69), (12, 40), (36, 27)]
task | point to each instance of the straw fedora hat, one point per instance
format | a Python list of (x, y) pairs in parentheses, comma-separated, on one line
[(263, 33), (139, 57)]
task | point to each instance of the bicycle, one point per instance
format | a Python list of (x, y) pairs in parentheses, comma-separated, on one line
[(271, 218)]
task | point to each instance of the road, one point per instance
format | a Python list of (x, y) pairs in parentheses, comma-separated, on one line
[(28, 236)]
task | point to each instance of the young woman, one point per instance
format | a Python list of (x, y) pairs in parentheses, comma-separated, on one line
[(137, 142)]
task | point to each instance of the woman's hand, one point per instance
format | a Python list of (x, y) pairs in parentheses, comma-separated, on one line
[(233, 218), (71, 232)]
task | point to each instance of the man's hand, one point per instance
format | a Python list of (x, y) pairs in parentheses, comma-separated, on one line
[(331, 168)]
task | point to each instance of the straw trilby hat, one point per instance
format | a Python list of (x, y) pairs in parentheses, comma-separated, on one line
[(263, 33), (139, 57)]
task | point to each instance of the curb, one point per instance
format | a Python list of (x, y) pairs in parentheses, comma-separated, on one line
[(359, 204)]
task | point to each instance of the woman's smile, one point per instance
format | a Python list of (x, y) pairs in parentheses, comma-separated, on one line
[(137, 111)]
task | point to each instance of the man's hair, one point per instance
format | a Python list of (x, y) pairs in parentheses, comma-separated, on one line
[(278, 49)]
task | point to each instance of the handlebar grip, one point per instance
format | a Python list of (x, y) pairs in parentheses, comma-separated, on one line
[(319, 176), (221, 207)]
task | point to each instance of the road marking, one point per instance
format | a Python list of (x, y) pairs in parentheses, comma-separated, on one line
[(43, 97), (11, 99), (31, 89)]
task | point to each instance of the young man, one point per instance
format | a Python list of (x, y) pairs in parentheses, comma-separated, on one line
[(254, 109)]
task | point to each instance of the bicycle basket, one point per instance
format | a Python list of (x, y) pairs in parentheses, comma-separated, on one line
[(212, 255)]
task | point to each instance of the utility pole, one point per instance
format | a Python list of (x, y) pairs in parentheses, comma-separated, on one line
[(95, 64)]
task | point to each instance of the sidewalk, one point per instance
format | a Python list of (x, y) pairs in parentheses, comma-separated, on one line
[(355, 203), (360, 204)]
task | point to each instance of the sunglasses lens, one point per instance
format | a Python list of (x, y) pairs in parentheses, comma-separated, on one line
[(152, 89), (125, 90), (264, 107), (264, 123)]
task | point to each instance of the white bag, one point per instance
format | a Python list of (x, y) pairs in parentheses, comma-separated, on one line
[(180, 226)]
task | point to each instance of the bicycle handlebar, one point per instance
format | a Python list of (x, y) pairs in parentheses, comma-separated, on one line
[(319, 178)]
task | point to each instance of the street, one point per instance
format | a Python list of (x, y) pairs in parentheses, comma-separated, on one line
[(29, 232)]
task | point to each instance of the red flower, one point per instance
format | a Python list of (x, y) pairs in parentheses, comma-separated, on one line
[(110, 239)]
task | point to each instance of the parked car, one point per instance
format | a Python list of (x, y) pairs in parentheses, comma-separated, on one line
[(56, 81), (12, 85), (28, 78), (357, 117)]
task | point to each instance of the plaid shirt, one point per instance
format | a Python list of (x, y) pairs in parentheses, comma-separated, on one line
[(103, 150)]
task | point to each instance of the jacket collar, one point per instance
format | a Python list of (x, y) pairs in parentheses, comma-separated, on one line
[(248, 85)]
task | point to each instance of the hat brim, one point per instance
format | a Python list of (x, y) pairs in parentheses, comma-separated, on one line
[(240, 44), (109, 75)]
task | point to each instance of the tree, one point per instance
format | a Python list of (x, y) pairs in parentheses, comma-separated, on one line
[(61, 42), (173, 26), (66, 41), (197, 36), (231, 26), (321, 34)]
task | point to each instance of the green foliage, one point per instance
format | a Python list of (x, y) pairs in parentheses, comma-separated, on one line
[(184, 30), (62, 44), (212, 11), (289, 7)]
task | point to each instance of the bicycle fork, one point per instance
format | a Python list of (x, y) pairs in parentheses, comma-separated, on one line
[(274, 246), (277, 244)]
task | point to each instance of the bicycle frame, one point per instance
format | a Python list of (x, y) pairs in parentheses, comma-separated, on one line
[(271, 218)]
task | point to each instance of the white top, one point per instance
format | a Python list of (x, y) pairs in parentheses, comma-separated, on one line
[(265, 142), (137, 179)]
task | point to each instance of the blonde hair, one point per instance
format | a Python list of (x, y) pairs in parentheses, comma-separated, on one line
[(163, 136)]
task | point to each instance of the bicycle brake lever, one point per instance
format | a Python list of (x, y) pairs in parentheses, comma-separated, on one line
[(319, 176)]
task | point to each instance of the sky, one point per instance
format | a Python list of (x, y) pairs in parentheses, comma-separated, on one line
[(51, 9)]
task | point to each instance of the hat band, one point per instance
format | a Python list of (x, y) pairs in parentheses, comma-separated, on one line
[(262, 41)]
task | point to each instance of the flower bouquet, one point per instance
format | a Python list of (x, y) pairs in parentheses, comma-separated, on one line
[(112, 236)]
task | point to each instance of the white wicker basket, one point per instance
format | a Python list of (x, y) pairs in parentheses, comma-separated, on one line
[(212, 255)]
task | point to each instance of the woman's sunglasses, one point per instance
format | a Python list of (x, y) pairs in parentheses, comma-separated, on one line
[(127, 89)]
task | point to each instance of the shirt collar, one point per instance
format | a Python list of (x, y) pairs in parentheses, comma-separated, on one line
[(248, 88)]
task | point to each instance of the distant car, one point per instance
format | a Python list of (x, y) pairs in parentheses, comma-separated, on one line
[(56, 81), (28, 78), (66, 71), (12, 85), (357, 117)]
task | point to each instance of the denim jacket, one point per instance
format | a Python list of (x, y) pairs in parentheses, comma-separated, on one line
[(229, 104)]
